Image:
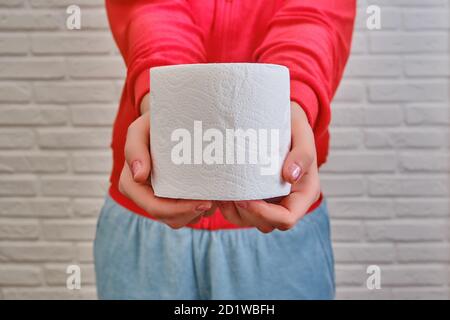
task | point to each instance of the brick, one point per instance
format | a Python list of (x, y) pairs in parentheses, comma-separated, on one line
[(350, 92), (417, 42), (96, 68), (18, 229), (93, 115), (11, 3), (408, 186), (389, 19), (36, 252), (402, 138), (345, 138), (406, 231), (92, 163), (363, 253), (49, 293), (353, 162), (70, 43), (74, 92), (94, 20), (425, 114), (423, 253), (357, 116), (44, 207), (425, 162), (351, 276), (421, 208), (16, 139), (56, 275), (359, 43), (420, 293), (349, 293), (27, 163), (74, 138), (85, 252), (71, 230), (119, 87), (35, 115), (87, 207), (360, 208), (409, 3), (391, 276), (388, 91), (347, 116), (417, 275), (373, 67), (13, 44), (14, 92), (19, 276), (377, 115), (21, 20), (427, 66), (425, 19), (65, 3), (31, 68), (74, 186), (343, 186), (346, 231), (15, 186)]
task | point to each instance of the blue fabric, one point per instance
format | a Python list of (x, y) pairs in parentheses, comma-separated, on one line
[(138, 258)]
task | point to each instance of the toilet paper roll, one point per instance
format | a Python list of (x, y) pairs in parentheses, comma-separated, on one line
[(219, 131)]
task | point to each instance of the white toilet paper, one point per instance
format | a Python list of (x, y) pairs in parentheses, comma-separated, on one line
[(219, 131)]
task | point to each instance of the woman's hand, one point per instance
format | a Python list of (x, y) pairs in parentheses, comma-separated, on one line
[(134, 179), (299, 169)]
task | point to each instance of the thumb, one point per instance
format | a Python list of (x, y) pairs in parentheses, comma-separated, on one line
[(303, 149), (137, 150), (297, 162)]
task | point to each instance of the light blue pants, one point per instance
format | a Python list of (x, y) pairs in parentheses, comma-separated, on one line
[(138, 258)]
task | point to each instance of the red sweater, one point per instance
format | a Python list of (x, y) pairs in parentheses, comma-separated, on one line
[(310, 37)]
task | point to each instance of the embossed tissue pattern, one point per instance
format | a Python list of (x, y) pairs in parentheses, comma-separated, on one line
[(221, 96)]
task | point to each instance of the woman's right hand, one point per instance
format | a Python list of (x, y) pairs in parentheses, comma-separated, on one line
[(134, 179)]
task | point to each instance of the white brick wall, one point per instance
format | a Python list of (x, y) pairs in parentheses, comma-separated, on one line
[(386, 179)]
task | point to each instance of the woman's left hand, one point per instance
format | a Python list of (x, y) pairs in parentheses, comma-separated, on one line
[(299, 169)]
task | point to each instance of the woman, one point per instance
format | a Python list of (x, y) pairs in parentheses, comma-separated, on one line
[(223, 250)]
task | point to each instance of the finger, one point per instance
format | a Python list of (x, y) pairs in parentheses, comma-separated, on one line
[(304, 193), (211, 211), (253, 218), (228, 210), (195, 220), (303, 151), (145, 103), (205, 214), (137, 150), (277, 216), (178, 212)]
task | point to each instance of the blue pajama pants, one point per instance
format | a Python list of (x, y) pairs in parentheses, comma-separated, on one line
[(139, 258)]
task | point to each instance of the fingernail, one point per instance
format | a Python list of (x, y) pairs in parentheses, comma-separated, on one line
[(242, 204), (202, 208), (295, 171), (135, 167)]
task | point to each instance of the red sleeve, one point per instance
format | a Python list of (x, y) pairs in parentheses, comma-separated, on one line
[(312, 38), (153, 33)]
